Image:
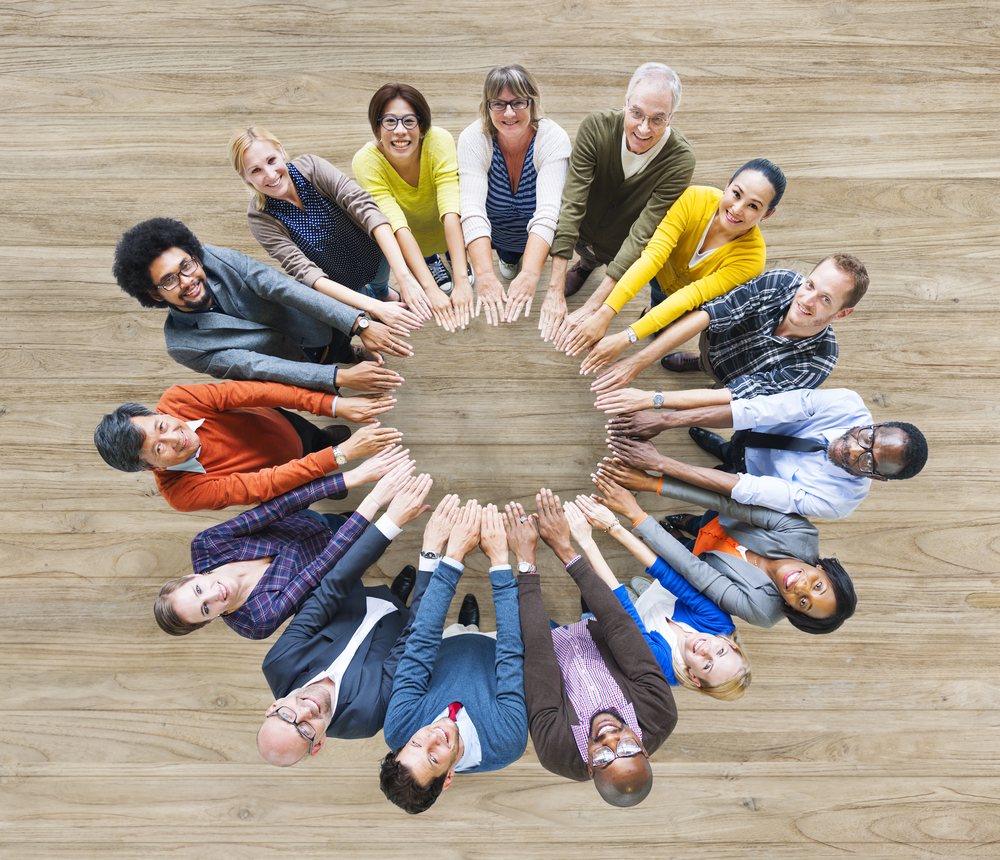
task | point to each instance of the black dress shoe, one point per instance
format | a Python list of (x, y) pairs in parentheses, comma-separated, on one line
[(680, 522), (680, 362), (575, 278), (338, 433), (713, 443), (469, 613), (402, 585)]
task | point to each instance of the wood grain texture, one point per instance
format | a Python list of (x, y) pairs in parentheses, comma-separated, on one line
[(117, 741)]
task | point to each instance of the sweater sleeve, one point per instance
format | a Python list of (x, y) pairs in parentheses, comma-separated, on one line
[(277, 241), (204, 400), (656, 253), (413, 674), (743, 259), (667, 192), (444, 169), (509, 658), (552, 151), (372, 173), (576, 190), (475, 154)]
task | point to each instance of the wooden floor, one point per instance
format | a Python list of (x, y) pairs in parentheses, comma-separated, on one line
[(117, 741)]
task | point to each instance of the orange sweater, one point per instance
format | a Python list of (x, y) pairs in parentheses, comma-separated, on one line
[(250, 453)]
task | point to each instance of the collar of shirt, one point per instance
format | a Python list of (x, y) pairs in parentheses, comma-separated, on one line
[(191, 465), (473, 754), (632, 163)]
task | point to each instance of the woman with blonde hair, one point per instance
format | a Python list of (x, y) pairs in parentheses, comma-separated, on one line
[(512, 165), (693, 640), (325, 230)]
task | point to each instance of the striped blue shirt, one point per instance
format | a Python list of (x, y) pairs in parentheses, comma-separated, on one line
[(509, 212)]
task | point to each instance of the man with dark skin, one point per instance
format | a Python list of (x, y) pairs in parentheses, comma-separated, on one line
[(828, 483), (598, 703)]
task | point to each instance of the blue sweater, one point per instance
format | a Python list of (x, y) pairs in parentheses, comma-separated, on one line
[(486, 676), (692, 607)]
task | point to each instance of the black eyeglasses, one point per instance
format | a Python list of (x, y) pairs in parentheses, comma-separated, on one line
[(499, 104), (173, 281), (866, 439), (626, 748), (388, 122), (303, 728)]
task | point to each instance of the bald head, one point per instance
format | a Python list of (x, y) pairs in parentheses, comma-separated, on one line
[(280, 744), (626, 781)]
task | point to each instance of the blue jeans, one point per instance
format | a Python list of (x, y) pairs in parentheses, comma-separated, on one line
[(656, 295), (378, 288), (332, 521)]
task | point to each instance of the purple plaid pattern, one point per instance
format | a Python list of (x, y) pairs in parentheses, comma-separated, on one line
[(589, 684), (303, 548), (745, 354)]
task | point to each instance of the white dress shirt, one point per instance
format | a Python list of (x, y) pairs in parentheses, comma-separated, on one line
[(793, 481)]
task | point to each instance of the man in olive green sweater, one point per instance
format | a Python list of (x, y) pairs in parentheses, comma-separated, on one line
[(626, 170)]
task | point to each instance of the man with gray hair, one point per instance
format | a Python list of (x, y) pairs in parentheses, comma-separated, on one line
[(627, 169)]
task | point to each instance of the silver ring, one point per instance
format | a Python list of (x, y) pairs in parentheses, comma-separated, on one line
[(524, 519)]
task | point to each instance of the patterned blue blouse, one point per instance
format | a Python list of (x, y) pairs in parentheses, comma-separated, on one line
[(510, 213), (327, 235)]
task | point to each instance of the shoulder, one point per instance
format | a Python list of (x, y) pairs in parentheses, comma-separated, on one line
[(439, 141), (309, 165), (214, 256), (601, 127), (551, 138), (368, 159)]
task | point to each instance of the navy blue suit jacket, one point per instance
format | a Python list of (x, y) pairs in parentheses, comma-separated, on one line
[(323, 627)]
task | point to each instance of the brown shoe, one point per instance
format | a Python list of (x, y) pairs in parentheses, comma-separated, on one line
[(680, 362), (575, 279), (338, 433)]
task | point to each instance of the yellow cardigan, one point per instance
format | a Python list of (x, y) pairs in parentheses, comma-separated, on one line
[(422, 208), (669, 252)]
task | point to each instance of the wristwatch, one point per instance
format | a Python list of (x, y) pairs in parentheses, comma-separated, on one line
[(632, 336), (526, 567), (339, 456), (430, 556), (657, 399), (363, 323)]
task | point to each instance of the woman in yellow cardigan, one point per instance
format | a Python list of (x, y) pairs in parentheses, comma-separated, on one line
[(412, 172), (708, 242)]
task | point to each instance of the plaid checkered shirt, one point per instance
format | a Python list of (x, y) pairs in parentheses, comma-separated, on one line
[(303, 547), (744, 351), (590, 686)]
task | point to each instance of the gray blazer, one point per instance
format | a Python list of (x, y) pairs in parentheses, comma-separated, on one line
[(267, 319), (739, 588)]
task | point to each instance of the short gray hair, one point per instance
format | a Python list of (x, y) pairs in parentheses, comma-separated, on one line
[(661, 77)]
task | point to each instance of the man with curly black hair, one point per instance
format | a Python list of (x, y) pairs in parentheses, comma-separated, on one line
[(234, 318)]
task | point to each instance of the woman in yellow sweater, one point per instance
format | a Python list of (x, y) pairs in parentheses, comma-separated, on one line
[(708, 242), (412, 172)]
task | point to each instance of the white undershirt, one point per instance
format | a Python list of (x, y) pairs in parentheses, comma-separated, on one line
[(633, 163)]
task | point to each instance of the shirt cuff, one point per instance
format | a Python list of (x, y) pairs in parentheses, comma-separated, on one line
[(387, 527), (573, 561), (428, 564), (333, 408), (456, 564)]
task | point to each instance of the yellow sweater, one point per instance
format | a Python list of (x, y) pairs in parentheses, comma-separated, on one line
[(669, 252), (422, 208)]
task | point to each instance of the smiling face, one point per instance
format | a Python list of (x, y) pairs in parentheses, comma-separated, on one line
[(169, 441), (888, 446), (511, 125), (264, 167), (819, 301), (745, 202), (400, 145), (192, 294), (433, 751), (805, 588), (647, 117), (711, 659), (281, 743), (205, 597)]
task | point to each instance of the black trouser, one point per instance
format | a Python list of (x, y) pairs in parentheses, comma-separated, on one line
[(313, 439)]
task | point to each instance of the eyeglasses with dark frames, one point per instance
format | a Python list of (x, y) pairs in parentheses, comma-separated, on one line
[(173, 281), (305, 729), (625, 748), (498, 105), (388, 122)]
